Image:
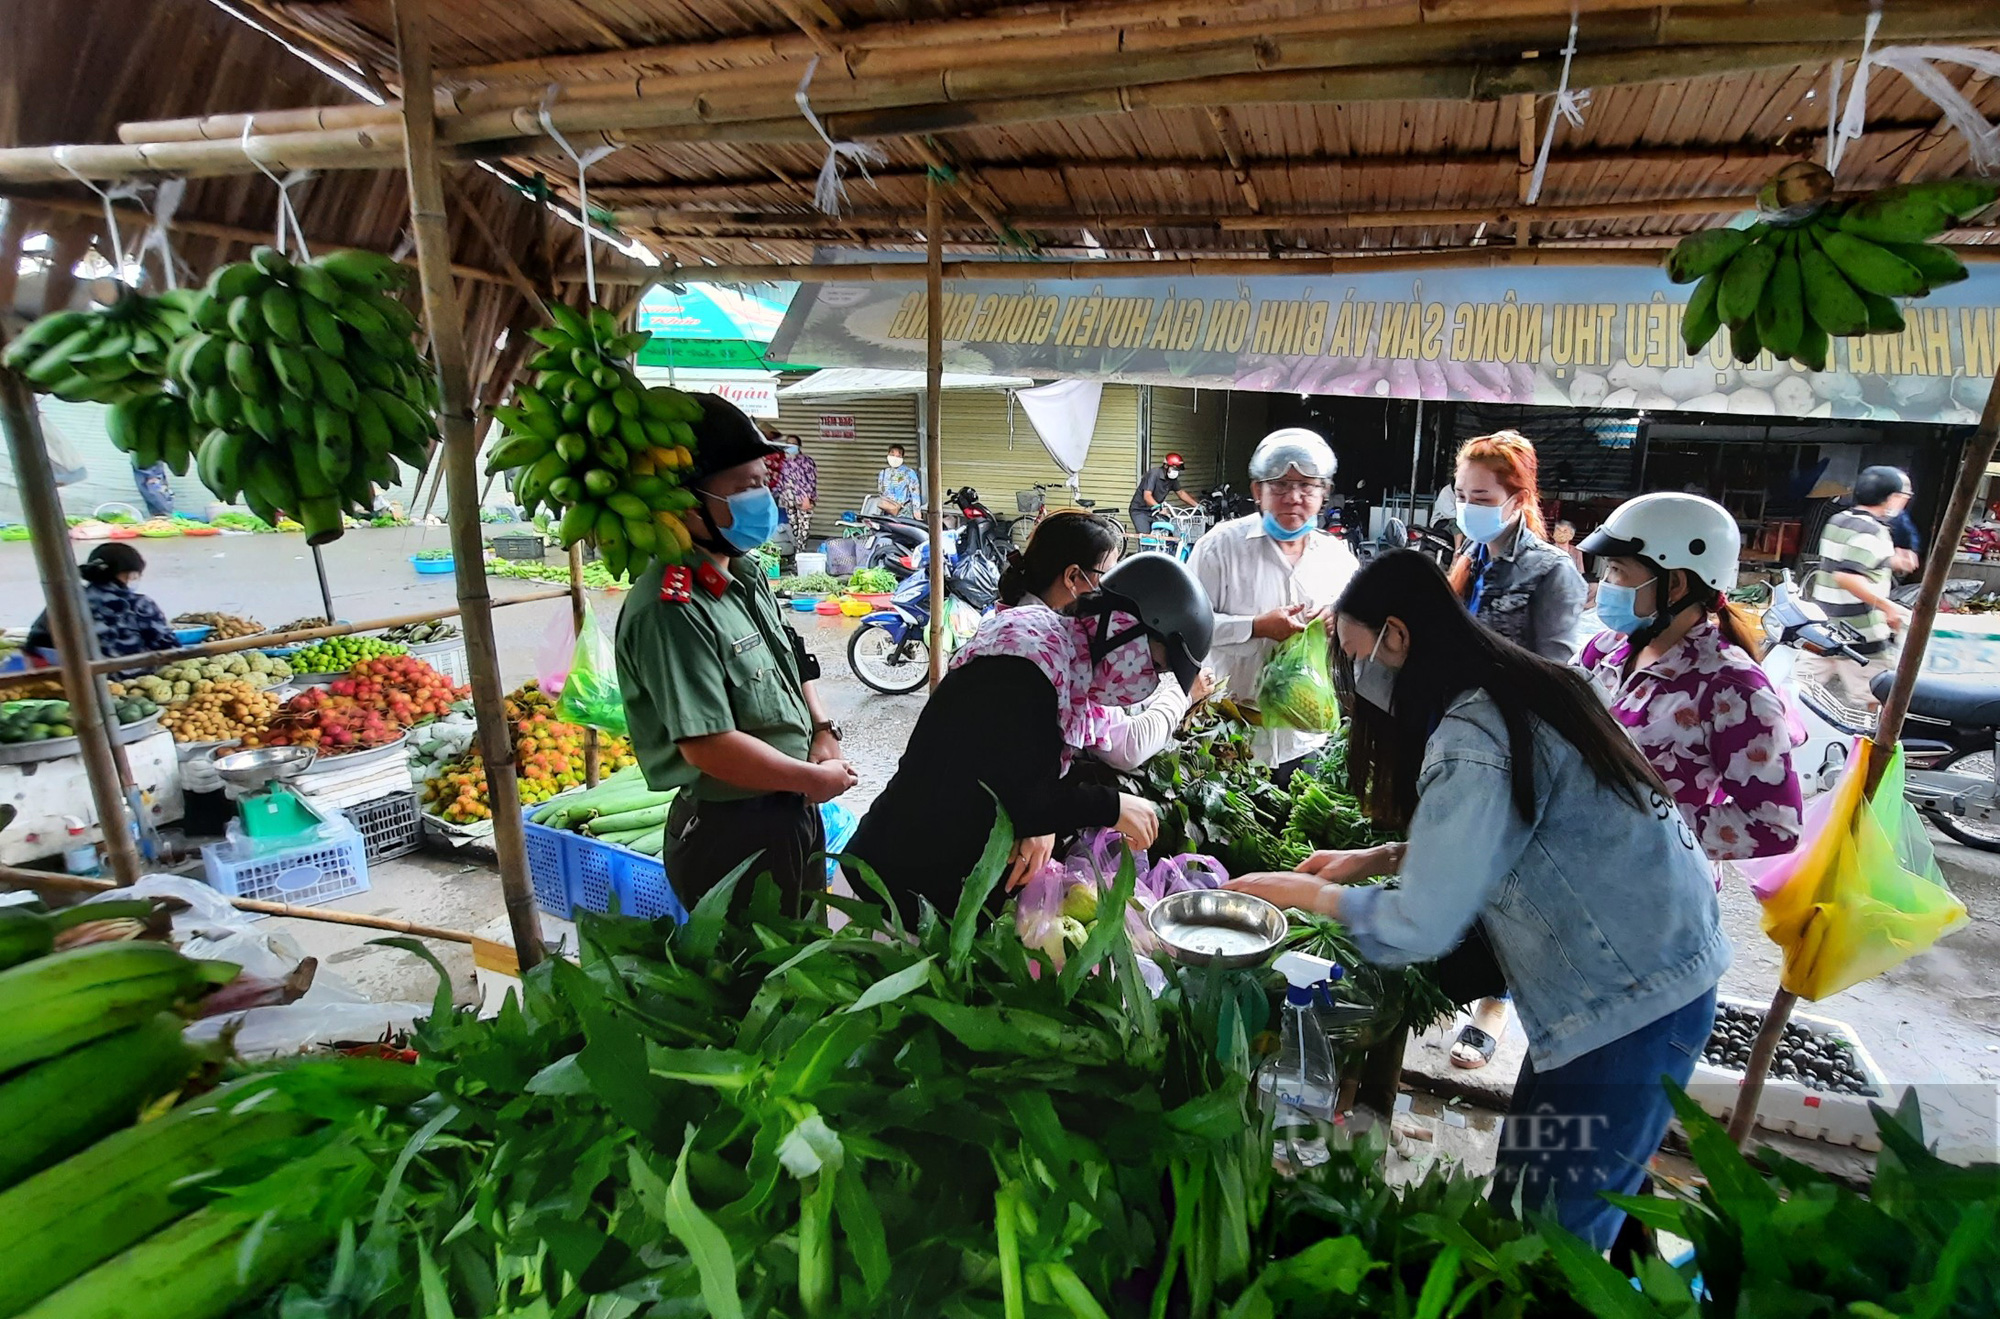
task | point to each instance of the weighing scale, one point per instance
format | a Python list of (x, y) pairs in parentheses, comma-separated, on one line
[(267, 808)]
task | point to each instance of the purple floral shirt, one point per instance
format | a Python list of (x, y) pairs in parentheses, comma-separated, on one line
[(1710, 722), (796, 481)]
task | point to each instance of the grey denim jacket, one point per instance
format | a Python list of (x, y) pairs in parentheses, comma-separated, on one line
[(1534, 596), (1601, 914)]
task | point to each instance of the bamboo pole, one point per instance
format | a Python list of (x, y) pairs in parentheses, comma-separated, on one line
[(234, 233), (152, 659), (50, 882), (1524, 169), (1889, 722), (446, 320), (577, 605), (69, 618), (934, 412)]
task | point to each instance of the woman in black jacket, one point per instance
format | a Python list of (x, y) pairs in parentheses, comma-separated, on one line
[(1020, 700)]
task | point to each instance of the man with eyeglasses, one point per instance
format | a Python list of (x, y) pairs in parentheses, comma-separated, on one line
[(1272, 573)]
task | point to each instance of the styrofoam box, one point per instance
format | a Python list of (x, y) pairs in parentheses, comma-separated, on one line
[(1795, 1108), (1964, 643), (338, 788)]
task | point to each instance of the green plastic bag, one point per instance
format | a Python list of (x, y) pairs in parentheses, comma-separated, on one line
[(1295, 686), (590, 694)]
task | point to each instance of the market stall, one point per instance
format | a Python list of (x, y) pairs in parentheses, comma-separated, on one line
[(746, 1113)]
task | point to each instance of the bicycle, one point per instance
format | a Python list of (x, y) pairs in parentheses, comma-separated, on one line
[(1032, 505)]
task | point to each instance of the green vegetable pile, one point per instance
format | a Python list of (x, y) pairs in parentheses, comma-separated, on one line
[(596, 576), (871, 581), (621, 809), (230, 521), (35, 721), (812, 583)]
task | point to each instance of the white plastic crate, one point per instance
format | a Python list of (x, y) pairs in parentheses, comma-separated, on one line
[(389, 826), (1795, 1107), (332, 865)]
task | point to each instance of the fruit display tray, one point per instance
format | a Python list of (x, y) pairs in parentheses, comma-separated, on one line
[(1801, 1107)]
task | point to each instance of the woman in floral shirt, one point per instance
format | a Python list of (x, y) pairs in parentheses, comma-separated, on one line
[(795, 485), (127, 623), (1678, 668)]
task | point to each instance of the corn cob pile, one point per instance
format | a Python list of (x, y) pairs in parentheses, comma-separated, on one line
[(1813, 268), (118, 356), (594, 443), (308, 379)]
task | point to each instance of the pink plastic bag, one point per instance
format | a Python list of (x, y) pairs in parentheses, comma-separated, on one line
[(558, 647)]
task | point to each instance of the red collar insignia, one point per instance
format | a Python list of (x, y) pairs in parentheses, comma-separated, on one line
[(677, 586), (712, 579)]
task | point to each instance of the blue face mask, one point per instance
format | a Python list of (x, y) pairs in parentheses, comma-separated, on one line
[(753, 516), (1276, 530), (1483, 522), (1615, 609)]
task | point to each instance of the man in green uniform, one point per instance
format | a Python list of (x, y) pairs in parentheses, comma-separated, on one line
[(719, 692)]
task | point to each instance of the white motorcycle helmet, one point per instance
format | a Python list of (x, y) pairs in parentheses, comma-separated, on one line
[(1672, 530), (1282, 450)]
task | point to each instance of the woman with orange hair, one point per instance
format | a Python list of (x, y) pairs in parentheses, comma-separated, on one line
[(1510, 577), (1518, 585)]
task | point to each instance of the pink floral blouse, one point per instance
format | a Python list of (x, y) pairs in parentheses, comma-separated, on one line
[(1710, 722)]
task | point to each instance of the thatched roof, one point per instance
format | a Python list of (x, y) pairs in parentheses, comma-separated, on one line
[(1274, 127)]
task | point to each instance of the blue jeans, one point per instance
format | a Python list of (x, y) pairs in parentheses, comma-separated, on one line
[(1593, 1125)]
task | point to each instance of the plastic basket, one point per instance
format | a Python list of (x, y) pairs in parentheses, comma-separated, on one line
[(1029, 501), (573, 872), (389, 826), (331, 866), (547, 872), (431, 567), (521, 547)]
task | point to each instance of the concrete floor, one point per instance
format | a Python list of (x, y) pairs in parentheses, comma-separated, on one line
[(1931, 1022)]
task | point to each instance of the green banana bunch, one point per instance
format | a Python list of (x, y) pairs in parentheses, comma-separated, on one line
[(1814, 268), (304, 381), (106, 355), (595, 444)]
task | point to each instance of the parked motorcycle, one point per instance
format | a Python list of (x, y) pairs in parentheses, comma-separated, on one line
[(890, 651), (1225, 504), (1949, 738)]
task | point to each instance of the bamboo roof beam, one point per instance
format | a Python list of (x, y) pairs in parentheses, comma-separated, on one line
[(1524, 169), (1348, 39), (980, 199), (232, 233), (1235, 152)]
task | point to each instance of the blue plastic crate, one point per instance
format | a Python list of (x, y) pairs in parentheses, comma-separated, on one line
[(547, 868), (331, 866)]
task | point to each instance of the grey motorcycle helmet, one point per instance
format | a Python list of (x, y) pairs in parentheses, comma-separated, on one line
[(1293, 447), (1170, 605)]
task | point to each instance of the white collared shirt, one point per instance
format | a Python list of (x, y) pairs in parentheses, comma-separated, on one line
[(1246, 574)]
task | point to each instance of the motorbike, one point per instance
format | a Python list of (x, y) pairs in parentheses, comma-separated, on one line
[(890, 651), (1176, 528), (1949, 738)]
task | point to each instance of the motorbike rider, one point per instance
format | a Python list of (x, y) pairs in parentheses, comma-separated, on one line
[(1042, 680), (1159, 487), (1509, 576), (720, 694), (1065, 559), (1857, 564), (1678, 667), (1532, 818), (1271, 573)]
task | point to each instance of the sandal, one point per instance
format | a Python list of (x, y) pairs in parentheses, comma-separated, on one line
[(1479, 1042)]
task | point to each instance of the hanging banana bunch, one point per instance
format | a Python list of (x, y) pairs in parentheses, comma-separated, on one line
[(308, 380), (598, 446), (1814, 268), (117, 355)]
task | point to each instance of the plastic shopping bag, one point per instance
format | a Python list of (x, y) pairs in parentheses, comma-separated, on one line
[(590, 696), (552, 657), (1295, 686), (1865, 894)]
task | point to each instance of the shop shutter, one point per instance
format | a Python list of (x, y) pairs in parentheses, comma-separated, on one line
[(1188, 422), (848, 468), (990, 445)]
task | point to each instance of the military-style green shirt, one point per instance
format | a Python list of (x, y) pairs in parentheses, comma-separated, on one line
[(712, 665)]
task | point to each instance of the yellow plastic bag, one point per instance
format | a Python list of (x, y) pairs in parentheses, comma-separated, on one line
[(1866, 893)]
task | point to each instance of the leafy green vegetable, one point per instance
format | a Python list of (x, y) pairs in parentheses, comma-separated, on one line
[(871, 581)]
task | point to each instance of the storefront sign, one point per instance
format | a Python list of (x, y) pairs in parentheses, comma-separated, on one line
[(757, 398), (836, 426), (1599, 337)]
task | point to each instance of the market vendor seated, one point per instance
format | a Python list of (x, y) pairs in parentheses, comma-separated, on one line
[(126, 622), (1533, 818), (719, 693), (1022, 696)]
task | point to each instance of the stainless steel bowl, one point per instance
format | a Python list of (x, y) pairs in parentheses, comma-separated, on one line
[(250, 770), (1215, 927)]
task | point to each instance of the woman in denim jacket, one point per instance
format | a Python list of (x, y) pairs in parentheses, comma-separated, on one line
[(1530, 813)]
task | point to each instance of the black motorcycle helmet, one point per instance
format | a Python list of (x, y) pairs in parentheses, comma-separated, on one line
[(1170, 605)]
